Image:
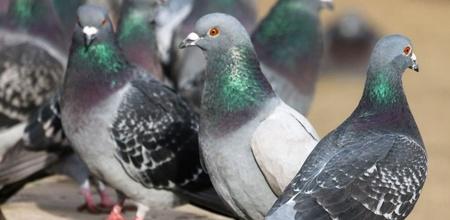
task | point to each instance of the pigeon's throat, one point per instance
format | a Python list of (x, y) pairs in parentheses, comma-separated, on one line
[(234, 82), (383, 90), (136, 26), (101, 56)]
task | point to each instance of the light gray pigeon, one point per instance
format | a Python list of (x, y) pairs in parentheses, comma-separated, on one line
[(34, 43), (44, 133), (374, 165), (289, 44), (252, 143), (132, 131), (189, 64)]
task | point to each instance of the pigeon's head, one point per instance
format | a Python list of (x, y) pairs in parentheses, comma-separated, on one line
[(394, 50), (217, 32), (93, 25)]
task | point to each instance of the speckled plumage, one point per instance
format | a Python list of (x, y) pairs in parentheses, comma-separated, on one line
[(32, 57), (374, 165), (44, 128), (33, 43)]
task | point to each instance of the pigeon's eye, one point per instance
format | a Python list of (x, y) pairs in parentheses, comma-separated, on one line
[(407, 50), (103, 22), (214, 32)]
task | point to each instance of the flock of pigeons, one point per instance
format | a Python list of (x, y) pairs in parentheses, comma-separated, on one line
[(135, 105)]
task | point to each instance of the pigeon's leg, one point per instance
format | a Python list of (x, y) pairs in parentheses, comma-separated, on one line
[(105, 199), (89, 204), (116, 212), (141, 211)]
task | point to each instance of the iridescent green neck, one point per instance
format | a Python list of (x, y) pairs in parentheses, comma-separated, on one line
[(22, 10), (234, 81), (288, 33), (135, 26), (103, 56), (384, 88)]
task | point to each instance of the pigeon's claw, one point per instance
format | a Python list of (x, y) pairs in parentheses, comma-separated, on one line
[(116, 213), (89, 203), (105, 200)]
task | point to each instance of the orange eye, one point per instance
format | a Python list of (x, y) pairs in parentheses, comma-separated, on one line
[(407, 50), (214, 32), (103, 22)]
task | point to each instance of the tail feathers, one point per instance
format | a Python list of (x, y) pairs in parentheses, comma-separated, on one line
[(18, 164), (208, 199), (304, 208)]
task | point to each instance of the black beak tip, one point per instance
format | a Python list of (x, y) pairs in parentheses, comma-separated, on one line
[(182, 45)]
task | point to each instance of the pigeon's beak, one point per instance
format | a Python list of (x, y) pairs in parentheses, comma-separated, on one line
[(189, 41), (90, 34), (415, 65), (327, 4)]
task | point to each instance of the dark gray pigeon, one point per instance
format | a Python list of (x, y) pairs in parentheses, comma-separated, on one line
[(132, 131), (374, 165), (252, 143), (289, 43)]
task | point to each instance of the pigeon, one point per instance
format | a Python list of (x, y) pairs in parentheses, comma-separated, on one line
[(289, 44), (137, 35), (374, 165), (44, 133), (33, 52), (290, 64), (189, 64), (132, 131), (252, 144)]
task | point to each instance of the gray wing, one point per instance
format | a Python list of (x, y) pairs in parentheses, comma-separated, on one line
[(377, 177), (28, 76), (280, 159), (156, 136)]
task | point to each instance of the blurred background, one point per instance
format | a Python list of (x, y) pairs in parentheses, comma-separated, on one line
[(338, 92)]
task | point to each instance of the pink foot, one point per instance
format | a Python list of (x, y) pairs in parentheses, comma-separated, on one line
[(116, 213), (105, 200), (89, 204)]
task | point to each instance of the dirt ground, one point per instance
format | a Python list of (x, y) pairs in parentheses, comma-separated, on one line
[(428, 92)]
